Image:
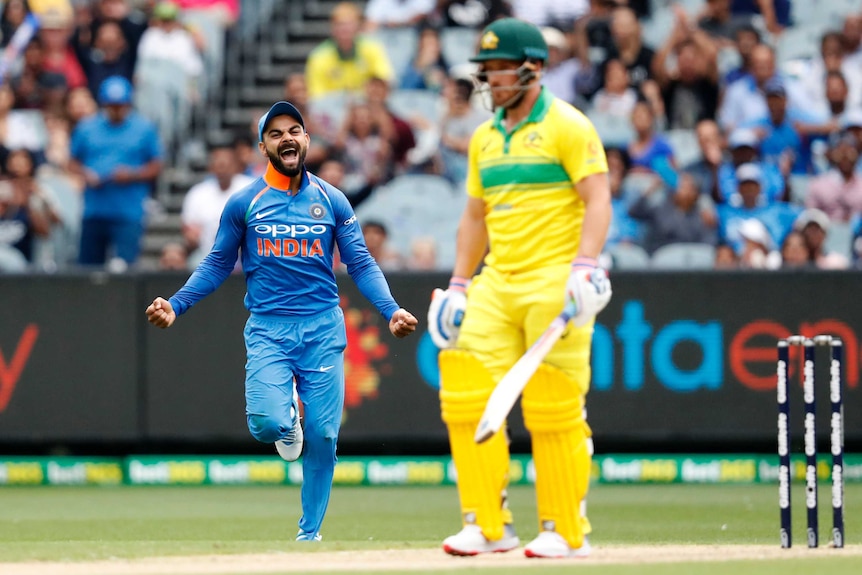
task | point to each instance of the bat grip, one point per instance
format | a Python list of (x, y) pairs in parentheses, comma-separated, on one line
[(568, 312)]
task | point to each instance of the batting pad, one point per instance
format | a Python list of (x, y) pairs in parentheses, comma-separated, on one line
[(554, 414), (483, 470)]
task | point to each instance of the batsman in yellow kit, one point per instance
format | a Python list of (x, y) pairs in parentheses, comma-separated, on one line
[(539, 206)]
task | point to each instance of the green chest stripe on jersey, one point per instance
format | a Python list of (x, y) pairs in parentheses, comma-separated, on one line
[(522, 174)]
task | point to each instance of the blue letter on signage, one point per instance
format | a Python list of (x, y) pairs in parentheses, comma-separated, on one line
[(708, 375), (633, 331)]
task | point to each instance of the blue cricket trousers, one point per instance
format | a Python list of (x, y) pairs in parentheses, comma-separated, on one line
[(310, 349)]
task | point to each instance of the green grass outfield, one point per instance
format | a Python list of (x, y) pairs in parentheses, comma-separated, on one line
[(94, 523)]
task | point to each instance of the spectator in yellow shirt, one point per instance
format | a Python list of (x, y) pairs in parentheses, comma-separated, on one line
[(345, 61)]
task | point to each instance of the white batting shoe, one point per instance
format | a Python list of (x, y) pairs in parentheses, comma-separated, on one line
[(303, 536), (470, 541), (551, 545), (290, 447)]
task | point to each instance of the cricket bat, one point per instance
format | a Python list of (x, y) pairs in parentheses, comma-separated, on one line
[(509, 388)]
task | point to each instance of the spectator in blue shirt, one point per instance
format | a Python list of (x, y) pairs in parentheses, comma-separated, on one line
[(777, 217), (650, 151), (744, 149), (119, 155), (781, 144), (623, 228)]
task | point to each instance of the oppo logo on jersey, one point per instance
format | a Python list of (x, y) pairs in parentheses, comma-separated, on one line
[(291, 230), (289, 247)]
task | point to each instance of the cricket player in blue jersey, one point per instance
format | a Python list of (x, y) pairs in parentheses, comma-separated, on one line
[(286, 224)]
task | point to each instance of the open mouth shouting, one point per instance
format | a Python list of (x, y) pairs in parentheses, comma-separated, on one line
[(289, 154)]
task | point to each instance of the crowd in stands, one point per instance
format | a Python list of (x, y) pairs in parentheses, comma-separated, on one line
[(82, 143), (733, 128), (727, 140)]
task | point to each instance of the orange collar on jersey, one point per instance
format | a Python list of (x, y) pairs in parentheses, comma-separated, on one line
[(275, 179)]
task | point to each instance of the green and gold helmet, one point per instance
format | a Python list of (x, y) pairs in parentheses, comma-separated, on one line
[(511, 39)]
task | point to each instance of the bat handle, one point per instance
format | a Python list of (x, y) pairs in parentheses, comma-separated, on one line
[(568, 312)]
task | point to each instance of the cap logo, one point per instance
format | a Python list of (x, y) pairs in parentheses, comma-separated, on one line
[(489, 41)]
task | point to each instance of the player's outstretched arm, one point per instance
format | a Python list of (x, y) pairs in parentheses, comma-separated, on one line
[(161, 314), (402, 323)]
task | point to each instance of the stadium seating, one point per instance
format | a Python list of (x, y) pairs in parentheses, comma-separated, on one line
[(799, 43), (798, 188), (684, 256), (628, 257), (686, 150), (457, 44), (614, 131), (839, 239), (400, 45), (412, 103), (163, 94), (413, 206), (12, 261)]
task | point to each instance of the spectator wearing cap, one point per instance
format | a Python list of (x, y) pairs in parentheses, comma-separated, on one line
[(780, 143), (345, 61), (778, 217), (744, 149), (167, 39), (690, 90), (745, 101), (758, 251), (57, 53), (118, 154), (814, 226), (838, 192)]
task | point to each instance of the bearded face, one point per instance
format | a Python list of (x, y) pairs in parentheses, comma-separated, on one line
[(285, 143)]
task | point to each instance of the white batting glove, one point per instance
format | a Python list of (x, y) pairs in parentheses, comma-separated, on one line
[(446, 312), (588, 289)]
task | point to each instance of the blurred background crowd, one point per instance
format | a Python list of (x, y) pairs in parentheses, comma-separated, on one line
[(733, 128)]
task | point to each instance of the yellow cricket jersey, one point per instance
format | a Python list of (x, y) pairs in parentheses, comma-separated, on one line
[(527, 179), (327, 70)]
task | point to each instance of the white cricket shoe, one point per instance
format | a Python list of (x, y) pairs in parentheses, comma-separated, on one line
[(471, 541), (550, 544), (290, 447), (303, 536)]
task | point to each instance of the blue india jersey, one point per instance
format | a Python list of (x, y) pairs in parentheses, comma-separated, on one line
[(287, 242)]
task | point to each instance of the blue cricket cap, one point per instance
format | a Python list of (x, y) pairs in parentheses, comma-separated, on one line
[(279, 109), (115, 91)]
